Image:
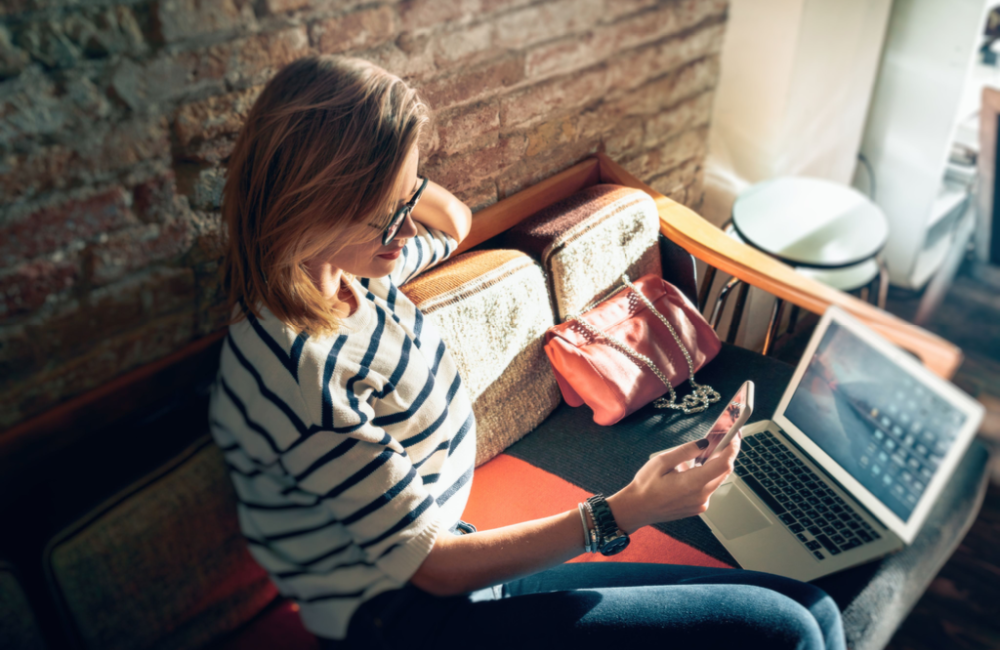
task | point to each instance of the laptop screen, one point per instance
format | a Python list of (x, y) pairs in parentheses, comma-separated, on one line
[(889, 431)]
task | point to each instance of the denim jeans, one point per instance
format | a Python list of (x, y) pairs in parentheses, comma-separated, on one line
[(603, 604)]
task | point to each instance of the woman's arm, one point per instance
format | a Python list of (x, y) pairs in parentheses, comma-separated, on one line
[(440, 209), (659, 492)]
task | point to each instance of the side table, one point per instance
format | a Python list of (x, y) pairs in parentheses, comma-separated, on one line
[(828, 231)]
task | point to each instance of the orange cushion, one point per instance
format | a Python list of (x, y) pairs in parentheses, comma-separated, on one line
[(508, 490)]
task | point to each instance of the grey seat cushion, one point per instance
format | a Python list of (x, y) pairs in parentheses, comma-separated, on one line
[(874, 598), (18, 627)]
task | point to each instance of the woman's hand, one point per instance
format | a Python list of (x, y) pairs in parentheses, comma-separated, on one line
[(663, 490)]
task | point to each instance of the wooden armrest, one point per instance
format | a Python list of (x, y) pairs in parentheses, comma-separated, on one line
[(706, 242)]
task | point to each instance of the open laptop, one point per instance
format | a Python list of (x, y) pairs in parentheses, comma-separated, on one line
[(861, 445)]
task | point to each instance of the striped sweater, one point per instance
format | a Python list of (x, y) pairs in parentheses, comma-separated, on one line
[(350, 452)]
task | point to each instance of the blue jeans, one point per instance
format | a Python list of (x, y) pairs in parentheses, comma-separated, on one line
[(601, 605)]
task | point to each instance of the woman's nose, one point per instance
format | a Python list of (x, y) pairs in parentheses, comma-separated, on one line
[(408, 228)]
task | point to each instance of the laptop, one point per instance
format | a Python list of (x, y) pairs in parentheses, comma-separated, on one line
[(861, 445)]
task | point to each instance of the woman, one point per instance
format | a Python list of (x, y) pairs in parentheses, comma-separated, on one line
[(351, 440)]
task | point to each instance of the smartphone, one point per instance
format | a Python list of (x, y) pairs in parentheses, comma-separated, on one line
[(735, 415)]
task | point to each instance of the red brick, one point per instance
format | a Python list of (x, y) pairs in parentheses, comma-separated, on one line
[(126, 144), (71, 328), (104, 360), (528, 171), (666, 20), (210, 118), (163, 78), (209, 240), (154, 198), (28, 285), (546, 21), (564, 55), (12, 58), (547, 136), (482, 196), (91, 157), (207, 194), (138, 247), (552, 97), (625, 137), (472, 84), (464, 171), (493, 6), (32, 104), (24, 175), (410, 57), (354, 31), (56, 226), (687, 146), (636, 67), (184, 19), (285, 6), (465, 46), (655, 96), (606, 42), (420, 15), (693, 112), (619, 8), (214, 151), (252, 60), (467, 127)]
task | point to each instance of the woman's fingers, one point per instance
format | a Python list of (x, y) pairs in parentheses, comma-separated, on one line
[(669, 460)]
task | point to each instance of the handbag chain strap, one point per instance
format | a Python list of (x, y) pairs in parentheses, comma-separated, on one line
[(694, 402)]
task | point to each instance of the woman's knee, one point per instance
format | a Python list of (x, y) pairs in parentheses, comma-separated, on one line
[(780, 621)]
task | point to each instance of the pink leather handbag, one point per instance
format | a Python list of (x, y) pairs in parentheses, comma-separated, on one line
[(631, 349)]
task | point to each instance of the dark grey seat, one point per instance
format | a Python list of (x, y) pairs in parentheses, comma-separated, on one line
[(874, 598)]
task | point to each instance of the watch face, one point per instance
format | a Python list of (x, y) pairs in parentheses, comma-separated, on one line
[(615, 546)]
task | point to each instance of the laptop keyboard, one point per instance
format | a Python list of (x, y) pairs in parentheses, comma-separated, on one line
[(822, 521)]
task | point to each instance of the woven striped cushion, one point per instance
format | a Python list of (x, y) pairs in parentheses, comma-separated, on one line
[(18, 627), (586, 241), (162, 564), (492, 308)]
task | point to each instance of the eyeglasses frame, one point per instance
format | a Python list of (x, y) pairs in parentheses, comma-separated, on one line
[(400, 214)]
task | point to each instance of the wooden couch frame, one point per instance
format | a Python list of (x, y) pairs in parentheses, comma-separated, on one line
[(26, 445)]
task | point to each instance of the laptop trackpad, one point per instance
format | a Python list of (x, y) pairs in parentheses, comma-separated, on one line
[(734, 514)]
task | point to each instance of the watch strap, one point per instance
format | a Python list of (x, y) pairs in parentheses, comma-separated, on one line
[(607, 527)]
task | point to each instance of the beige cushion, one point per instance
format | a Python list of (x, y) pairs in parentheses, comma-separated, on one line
[(492, 308), (162, 564), (18, 627), (586, 241)]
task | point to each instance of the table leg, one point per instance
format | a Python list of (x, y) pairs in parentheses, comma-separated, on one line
[(706, 287), (772, 327)]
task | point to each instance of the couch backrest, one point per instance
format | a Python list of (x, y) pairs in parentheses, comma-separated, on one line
[(493, 308)]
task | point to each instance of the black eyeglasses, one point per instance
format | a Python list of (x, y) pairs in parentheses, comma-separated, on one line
[(400, 215)]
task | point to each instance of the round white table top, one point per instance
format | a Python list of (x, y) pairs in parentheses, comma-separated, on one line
[(845, 278), (810, 222)]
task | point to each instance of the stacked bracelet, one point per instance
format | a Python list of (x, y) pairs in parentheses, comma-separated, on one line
[(586, 529), (589, 534), (595, 537)]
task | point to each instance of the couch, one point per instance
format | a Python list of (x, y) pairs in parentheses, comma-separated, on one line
[(126, 534)]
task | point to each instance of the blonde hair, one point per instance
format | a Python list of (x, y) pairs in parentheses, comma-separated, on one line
[(320, 153)]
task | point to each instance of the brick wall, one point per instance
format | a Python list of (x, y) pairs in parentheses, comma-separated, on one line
[(116, 119)]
